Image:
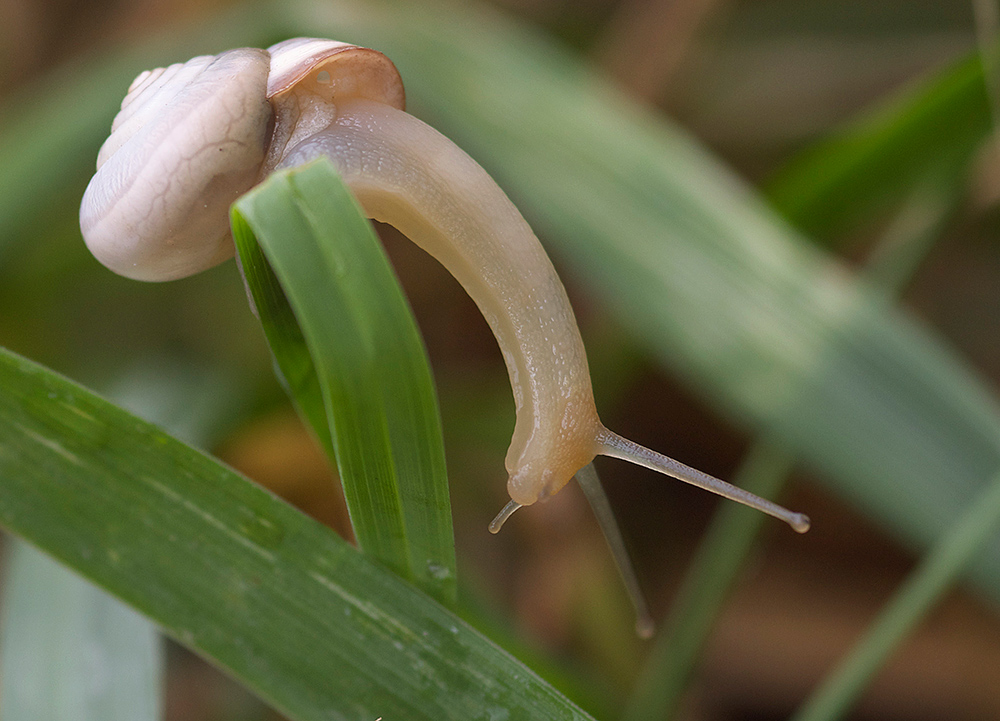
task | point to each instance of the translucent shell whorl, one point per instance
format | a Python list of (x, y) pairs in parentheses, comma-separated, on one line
[(310, 78), (189, 140)]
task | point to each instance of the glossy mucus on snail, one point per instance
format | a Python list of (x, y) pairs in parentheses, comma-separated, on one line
[(193, 137)]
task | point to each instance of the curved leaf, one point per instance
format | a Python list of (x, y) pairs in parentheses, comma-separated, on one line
[(349, 350), (286, 606)]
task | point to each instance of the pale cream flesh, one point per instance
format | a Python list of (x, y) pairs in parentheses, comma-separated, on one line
[(410, 176)]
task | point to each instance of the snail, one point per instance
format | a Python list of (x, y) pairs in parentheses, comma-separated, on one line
[(193, 137)]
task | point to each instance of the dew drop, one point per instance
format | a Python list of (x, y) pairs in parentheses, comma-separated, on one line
[(437, 571)]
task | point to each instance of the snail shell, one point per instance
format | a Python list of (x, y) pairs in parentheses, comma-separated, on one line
[(188, 141)]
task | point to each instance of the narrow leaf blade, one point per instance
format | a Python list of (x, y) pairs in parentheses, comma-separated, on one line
[(367, 358), (934, 126), (227, 569)]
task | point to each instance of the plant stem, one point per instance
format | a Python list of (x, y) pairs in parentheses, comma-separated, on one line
[(925, 586)]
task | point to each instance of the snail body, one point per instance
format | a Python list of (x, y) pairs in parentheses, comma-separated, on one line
[(193, 137)]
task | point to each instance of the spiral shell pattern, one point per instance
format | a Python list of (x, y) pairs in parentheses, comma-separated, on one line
[(188, 141)]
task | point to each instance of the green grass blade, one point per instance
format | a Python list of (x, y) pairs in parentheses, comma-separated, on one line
[(367, 359), (302, 618), (727, 543), (72, 652), (69, 650), (872, 163), (292, 357), (913, 231), (935, 575)]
